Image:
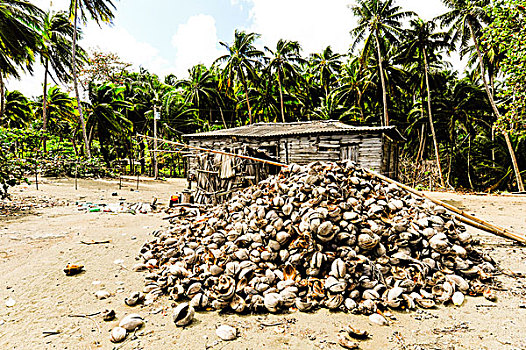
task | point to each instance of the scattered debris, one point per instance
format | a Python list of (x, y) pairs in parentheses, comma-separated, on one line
[(461, 327), (399, 340), (121, 207), (72, 270), (95, 242), (27, 204), (108, 315), (346, 342), (10, 302), (183, 314), (134, 299), (89, 318), (356, 333), (48, 333)]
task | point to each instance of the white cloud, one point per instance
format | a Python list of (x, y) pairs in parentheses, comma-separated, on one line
[(195, 42), (239, 3), (107, 39), (315, 24), (118, 40), (427, 9)]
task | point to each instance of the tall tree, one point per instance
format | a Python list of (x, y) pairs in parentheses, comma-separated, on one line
[(55, 54), (353, 84), (99, 11), (200, 89), (466, 18), (241, 60), (18, 40), (419, 42), (283, 63), (107, 117), (326, 66), (17, 112), (61, 112), (377, 18)]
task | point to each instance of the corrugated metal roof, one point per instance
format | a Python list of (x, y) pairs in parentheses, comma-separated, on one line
[(267, 130)]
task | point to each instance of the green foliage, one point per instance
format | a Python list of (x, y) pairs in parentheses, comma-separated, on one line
[(383, 72), (17, 110), (16, 150), (506, 33), (18, 37)]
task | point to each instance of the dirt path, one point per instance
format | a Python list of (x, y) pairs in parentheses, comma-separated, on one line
[(36, 247)]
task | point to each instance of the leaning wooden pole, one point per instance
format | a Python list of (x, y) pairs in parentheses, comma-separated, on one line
[(207, 150), (469, 219)]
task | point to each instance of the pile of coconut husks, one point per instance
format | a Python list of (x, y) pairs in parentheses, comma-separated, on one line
[(321, 235)]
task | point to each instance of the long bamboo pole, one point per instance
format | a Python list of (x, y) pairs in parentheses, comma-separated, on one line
[(499, 231), (218, 152), (460, 214)]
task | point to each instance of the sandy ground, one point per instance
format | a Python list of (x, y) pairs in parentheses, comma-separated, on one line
[(36, 245)]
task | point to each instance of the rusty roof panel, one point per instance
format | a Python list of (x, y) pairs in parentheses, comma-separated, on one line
[(267, 130)]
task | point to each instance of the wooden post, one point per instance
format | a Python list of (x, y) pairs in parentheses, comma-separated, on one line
[(120, 181), (76, 173), (36, 173), (155, 166), (137, 180)]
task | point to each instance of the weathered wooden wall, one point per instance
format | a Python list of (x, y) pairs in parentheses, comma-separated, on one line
[(306, 149)]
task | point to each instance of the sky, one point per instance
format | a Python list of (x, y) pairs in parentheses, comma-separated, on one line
[(171, 36)]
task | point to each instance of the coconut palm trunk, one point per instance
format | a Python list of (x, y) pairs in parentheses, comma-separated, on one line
[(430, 114), (245, 85), (75, 83), (518, 177), (2, 96), (385, 120), (281, 97), (44, 108)]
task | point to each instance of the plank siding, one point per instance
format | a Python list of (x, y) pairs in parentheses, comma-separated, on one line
[(374, 151)]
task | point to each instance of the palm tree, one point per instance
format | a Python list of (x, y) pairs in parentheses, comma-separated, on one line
[(354, 82), (61, 113), (419, 42), (326, 66), (100, 11), (283, 60), (18, 40), (466, 18), (241, 62), (55, 53), (106, 115), (17, 111), (377, 18), (200, 89)]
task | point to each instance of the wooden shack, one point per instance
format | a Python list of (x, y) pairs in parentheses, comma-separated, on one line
[(302, 142)]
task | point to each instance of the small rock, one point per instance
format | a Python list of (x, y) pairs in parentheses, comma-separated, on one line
[(102, 294), (118, 334), (226, 332), (132, 322), (10, 302), (378, 319)]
